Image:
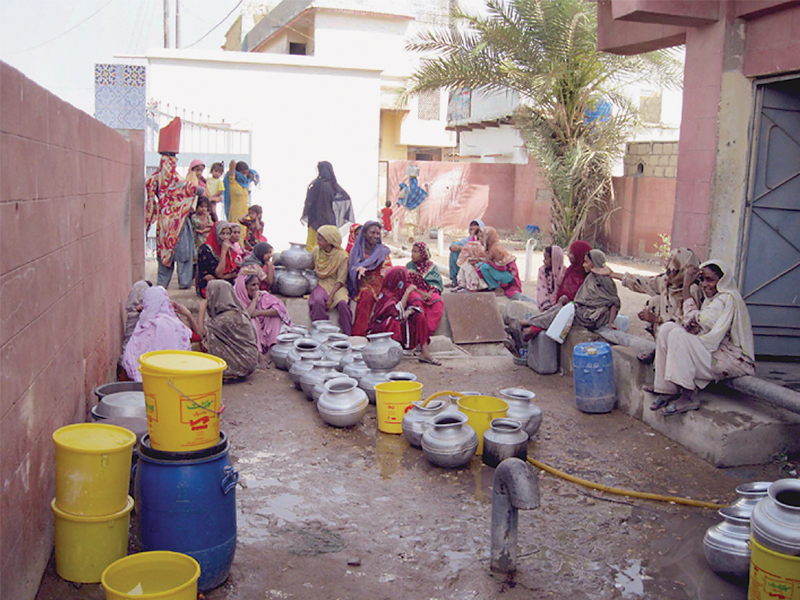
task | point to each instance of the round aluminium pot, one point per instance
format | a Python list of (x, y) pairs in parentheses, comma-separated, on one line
[(297, 258), (354, 355), (449, 442), (370, 379), (775, 522), (319, 389), (310, 378), (417, 420), (299, 347), (315, 324), (292, 284), (299, 329), (311, 278), (121, 404), (401, 376), (342, 404), (522, 409), (306, 363), (337, 351), (727, 544), (322, 332), (356, 368), (118, 386), (336, 337), (280, 351), (504, 439), (276, 278), (750, 494), (382, 352)]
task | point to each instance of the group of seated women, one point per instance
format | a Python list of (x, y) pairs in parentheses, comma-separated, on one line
[(695, 313)]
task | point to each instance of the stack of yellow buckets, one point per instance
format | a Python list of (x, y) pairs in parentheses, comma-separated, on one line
[(92, 507)]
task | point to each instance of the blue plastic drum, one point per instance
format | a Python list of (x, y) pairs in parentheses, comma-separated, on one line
[(188, 504), (593, 371)]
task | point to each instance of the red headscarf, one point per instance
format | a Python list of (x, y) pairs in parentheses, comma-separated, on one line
[(574, 275), (216, 246), (351, 239), (394, 286)]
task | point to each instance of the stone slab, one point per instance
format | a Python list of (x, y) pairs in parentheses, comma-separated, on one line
[(474, 318), (730, 429)]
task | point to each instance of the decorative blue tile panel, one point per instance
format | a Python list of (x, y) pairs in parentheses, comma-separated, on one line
[(119, 95)]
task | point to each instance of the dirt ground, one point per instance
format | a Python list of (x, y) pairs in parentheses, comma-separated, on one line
[(354, 513)]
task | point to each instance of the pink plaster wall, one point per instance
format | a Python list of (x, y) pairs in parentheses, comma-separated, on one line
[(506, 196), (66, 206), (772, 43), (644, 209)]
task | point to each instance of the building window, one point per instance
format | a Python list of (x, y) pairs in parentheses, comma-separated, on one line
[(295, 48), (429, 105)]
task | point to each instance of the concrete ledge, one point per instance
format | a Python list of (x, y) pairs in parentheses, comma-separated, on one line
[(730, 429)]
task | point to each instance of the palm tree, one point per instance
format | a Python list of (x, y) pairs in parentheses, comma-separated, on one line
[(547, 51)]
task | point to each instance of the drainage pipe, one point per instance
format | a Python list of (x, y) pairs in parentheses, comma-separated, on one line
[(516, 486)]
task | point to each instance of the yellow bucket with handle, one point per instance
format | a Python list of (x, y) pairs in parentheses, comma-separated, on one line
[(481, 411), (183, 398)]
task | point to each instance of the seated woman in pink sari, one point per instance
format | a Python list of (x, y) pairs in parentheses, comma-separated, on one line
[(158, 328), (266, 311), (401, 311), (500, 266), (426, 277)]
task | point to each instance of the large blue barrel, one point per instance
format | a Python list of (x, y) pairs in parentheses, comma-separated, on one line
[(188, 505), (593, 371)]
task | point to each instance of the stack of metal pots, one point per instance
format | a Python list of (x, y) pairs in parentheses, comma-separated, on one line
[(296, 280)]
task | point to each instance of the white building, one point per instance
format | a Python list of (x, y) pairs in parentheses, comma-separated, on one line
[(317, 80)]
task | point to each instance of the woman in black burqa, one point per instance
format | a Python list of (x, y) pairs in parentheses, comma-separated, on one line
[(326, 203)]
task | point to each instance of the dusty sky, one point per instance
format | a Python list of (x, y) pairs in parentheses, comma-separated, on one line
[(65, 65)]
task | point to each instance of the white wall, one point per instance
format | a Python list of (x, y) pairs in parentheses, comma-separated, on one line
[(301, 110), (360, 38), (494, 144)]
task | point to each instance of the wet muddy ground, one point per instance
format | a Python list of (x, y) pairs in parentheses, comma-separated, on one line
[(354, 513)]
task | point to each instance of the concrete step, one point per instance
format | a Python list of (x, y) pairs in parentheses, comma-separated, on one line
[(730, 429)]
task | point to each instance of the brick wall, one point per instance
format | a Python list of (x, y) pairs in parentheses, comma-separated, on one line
[(70, 195), (651, 159)]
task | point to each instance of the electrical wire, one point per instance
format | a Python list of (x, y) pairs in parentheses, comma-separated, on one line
[(60, 35), (225, 18)]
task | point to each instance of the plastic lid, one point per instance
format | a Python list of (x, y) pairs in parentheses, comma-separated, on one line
[(94, 438), (181, 361)]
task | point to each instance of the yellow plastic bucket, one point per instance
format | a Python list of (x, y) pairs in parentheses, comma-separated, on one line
[(149, 575), (93, 468), (480, 411), (85, 546), (393, 400), (772, 574), (183, 398)]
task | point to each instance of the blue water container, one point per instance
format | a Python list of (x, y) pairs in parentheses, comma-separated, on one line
[(188, 505), (593, 370)]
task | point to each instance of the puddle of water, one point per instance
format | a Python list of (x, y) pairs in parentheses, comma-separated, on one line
[(281, 507), (630, 580), (458, 560), (389, 451)]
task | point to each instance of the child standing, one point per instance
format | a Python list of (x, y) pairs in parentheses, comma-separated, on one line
[(236, 247), (255, 228), (215, 189), (386, 214), (201, 221)]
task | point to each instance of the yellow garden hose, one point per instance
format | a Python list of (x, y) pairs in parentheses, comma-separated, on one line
[(623, 492)]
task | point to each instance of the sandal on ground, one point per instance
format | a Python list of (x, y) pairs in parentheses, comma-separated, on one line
[(663, 399), (671, 409), (430, 361)]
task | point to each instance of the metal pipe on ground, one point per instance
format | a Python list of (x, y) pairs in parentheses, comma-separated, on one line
[(516, 486)]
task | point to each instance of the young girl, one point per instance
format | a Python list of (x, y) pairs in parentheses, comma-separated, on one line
[(201, 221), (215, 189), (255, 228), (386, 214), (550, 275), (238, 251)]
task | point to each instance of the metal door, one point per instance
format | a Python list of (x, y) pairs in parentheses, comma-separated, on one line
[(771, 274)]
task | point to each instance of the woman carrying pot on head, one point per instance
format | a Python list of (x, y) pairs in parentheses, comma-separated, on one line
[(331, 266), (400, 310), (267, 312), (158, 328), (457, 247), (665, 291), (425, 276), (215, 258), (369, 261), (714, 341), (227, 330)]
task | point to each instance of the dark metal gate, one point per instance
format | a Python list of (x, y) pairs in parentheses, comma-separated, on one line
[(771, 273)]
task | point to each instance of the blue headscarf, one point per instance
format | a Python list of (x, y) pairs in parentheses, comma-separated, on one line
[(359, 258)]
